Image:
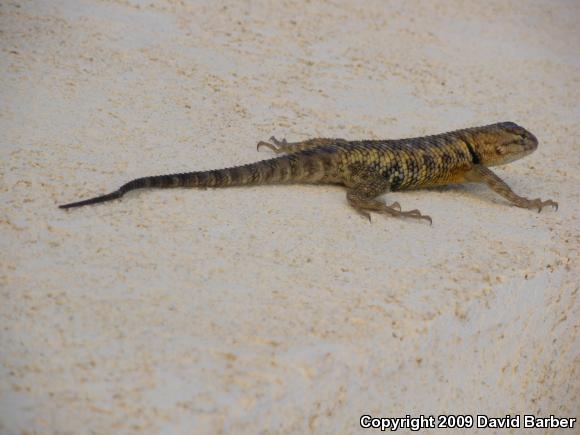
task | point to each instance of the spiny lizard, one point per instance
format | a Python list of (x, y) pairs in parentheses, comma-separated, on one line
[(369, 168)]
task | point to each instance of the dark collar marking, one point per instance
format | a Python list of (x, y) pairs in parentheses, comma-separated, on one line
[(474, 157)]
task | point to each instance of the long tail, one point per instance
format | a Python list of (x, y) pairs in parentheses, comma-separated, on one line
[(299, 168)]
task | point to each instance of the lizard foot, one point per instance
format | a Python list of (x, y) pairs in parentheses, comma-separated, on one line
[(364, 206), (538, 203), (365, 214), (276, 145), (395, 206), (395, 210), (416, 214)]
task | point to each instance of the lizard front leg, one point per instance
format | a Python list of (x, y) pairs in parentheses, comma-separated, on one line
[(284, 147), (362, 198), (482, 174)]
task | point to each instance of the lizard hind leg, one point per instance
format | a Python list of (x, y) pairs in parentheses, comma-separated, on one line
[(285, 147), (278, 146), (364, 203)]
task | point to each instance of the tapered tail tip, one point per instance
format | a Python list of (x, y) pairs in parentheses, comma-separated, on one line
[(70, 205), (74, 204), (96, 200)]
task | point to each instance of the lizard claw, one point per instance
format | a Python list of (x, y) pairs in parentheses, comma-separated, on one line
[(424, 217), (417, 215), (366, 215), (539, 204), (265, 144), (547, 203), (396, 206), (276, 145)]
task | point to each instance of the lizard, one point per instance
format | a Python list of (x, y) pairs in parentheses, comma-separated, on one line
[(370, 168)]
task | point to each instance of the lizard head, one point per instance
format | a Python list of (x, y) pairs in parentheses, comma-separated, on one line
[(502, 143)]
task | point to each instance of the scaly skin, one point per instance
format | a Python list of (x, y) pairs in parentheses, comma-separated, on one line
[(370, 168)]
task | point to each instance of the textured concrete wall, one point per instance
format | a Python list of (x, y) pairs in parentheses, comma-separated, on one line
[(279, 308)]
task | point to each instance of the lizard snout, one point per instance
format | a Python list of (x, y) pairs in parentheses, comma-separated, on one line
[(530, 142)]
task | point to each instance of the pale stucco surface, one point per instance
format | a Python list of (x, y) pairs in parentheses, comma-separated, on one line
[(278, 308)]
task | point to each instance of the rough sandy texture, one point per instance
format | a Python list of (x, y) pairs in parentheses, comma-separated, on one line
[(279, 308)]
